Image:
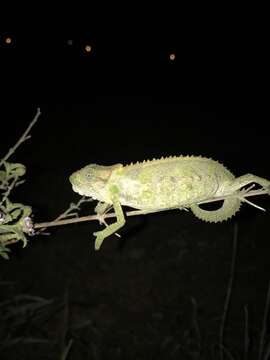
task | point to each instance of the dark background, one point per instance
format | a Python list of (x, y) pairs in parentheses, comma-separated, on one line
[(126, 101)]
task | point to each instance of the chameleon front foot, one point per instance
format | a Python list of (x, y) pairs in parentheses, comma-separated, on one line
[(100, 236), (110, 229)]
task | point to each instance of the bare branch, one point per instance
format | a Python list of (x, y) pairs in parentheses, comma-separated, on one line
[(64, 215), (23, 138)]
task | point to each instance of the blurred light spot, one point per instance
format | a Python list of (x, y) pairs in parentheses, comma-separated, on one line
[(8, 40), (88, 48), (172, 56), (70, 42)]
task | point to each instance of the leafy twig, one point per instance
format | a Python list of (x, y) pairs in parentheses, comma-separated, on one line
[(8, 191)]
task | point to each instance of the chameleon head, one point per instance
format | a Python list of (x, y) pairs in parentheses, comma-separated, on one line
[(91, 181)]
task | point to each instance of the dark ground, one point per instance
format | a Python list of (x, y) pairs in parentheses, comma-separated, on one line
[(159, 291)]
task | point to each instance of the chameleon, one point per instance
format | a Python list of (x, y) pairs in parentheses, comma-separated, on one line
[(175, 182)]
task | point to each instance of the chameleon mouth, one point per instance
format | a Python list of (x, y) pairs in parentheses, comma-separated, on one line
[(77, 190), (82, 193), (76, 186)]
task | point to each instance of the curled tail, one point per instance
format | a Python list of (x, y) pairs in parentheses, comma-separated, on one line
[(227, 210)]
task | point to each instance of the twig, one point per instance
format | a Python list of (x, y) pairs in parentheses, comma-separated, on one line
[(229, 290), (264, 324), (66, 213), (24, 137), (58, 222), (67, 349)]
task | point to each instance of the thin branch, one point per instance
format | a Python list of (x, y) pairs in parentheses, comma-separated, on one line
[(58, 222), (24, 137), (264, 324), (252, 204)]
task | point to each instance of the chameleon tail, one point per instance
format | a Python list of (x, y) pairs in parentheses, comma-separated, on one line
[(227, 210)]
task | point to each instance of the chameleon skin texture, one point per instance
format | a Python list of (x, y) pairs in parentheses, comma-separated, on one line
[(178, 182), (166, 183)]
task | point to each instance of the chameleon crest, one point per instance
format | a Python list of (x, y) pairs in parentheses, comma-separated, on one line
[(178, 182)]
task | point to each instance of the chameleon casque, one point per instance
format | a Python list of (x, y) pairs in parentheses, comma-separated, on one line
[(168, 183)]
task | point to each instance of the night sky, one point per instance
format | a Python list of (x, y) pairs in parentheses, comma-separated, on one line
[(120, 94)]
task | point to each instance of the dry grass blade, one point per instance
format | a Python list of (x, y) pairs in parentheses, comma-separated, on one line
[(264, 324), (229, 291), (246, 334)]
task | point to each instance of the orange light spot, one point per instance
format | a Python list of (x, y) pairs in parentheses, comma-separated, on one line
[(88, 48), (8, 40), (172, 56)]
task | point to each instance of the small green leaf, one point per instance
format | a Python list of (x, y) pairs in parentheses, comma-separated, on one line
[(15, 213), (18, 169), (4, 255), (3, 251), (3, 176)]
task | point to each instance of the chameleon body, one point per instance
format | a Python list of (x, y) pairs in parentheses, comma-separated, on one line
[(167, 183)]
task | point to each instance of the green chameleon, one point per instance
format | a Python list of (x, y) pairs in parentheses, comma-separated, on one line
[(168, 183)]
